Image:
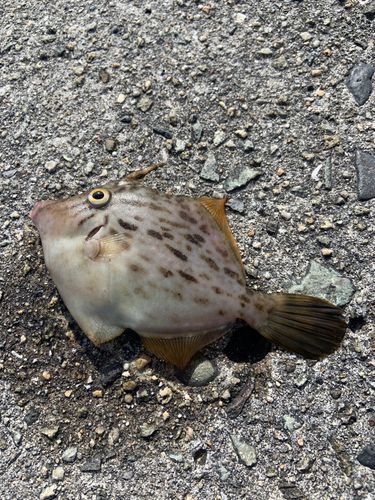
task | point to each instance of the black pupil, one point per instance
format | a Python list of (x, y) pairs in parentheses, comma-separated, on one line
[(98, 195)]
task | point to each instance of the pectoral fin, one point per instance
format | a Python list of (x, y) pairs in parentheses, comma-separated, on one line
[(108, 248)]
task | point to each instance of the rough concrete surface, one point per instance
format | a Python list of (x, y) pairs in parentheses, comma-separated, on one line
[(91, 91)]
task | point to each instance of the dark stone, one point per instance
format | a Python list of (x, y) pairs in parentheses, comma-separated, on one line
[(359, 82), (365, 166), (369, 11), (367, 457), (290, 491), (82, 412), (126, 119), (335, 393), (31, 417), (272, 226), (199, 371), (162, 132), (59, 50), (200, 456), (92, 464), (110, 373), (232, 31)]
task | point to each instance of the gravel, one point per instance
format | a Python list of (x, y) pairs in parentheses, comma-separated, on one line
[(90, 92)]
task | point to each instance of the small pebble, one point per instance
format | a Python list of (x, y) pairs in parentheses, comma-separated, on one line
[(142, 361), (97, 394), (58, 474)]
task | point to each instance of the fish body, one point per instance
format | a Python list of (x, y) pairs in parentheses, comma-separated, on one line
[(127, 256)]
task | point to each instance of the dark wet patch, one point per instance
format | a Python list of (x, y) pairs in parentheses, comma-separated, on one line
[(187, 277), (127, 225), (177, 253)]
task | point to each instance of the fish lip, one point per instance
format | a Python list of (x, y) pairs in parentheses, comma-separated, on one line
[(38, 208)]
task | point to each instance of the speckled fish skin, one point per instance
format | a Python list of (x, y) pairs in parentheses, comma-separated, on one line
[(156, 263)]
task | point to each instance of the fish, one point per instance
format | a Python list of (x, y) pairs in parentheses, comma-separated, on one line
[(167, 266)]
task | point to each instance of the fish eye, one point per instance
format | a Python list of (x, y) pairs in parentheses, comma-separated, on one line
[(99, 198)]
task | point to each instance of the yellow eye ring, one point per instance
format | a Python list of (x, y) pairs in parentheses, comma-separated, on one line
[(99, 198)]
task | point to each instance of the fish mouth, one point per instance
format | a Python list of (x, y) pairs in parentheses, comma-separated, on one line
[(37, 210), (93, 232)]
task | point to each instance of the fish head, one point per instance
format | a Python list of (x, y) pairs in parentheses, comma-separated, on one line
[(78, 216)]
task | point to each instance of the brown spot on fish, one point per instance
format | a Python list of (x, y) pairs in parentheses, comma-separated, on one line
[(187, 217), (154, 234), (82, 221), (187, 277), (204, 229), (217, 290), (178, 296), (168, 236), (163, 228), (176, 252), (199, 238), (166, 272), (140, 291), (138, 218), (188, 248), (242, 304), (259, 306), (145, 258), (231, 274), (200, 300), (151, 284), (210, 262), (127, 225), (191, 238), (244, 298), (136, 269), (222, 251), (221, 313), (205, 276), (173, 224), (158, 208), (106, 219)]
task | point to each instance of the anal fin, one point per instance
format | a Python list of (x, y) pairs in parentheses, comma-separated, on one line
[(179, 348)]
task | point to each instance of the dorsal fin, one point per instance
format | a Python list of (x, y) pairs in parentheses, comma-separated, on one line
[(217, 210), (139, 174)]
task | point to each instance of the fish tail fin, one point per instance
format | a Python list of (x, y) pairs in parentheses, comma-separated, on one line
[(304, 325)]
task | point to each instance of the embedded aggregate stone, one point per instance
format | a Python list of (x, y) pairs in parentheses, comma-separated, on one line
[(239, 177), (365, 167), (93, 463), (70, 454), (359, 82), (325, 283), (246, 453), (199, 372), (209, 170), (367, 457)]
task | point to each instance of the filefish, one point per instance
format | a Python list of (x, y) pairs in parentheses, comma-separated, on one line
[(167, 266)]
